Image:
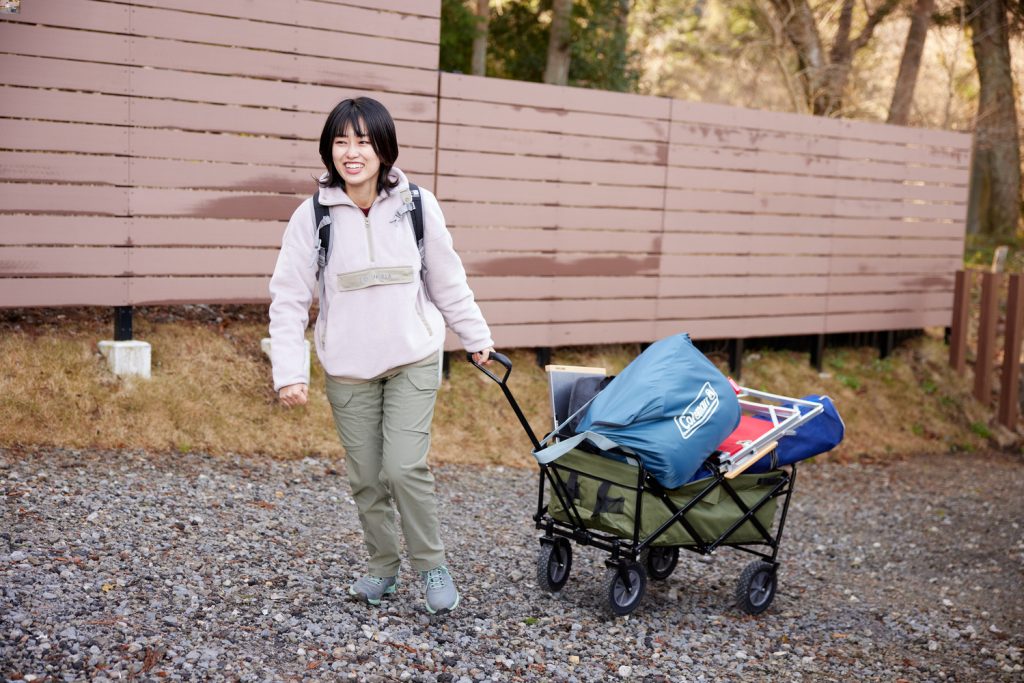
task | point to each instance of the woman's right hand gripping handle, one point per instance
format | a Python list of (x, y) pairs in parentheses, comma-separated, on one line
[(294, 395)]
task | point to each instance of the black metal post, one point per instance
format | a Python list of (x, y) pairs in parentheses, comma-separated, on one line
[(543, 356), (122, 323), (886, 343), (736, 358), (446, 365), (817, 350)]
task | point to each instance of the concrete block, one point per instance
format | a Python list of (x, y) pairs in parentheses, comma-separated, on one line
[(265, 346), (127, 358)]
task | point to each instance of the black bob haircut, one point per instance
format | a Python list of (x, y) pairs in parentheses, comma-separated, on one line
[(380, 129)]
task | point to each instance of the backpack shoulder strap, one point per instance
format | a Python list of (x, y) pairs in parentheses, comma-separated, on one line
[(417, 213), (322, 228)]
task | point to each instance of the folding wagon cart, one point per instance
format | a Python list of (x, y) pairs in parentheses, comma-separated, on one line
[(608, 499)]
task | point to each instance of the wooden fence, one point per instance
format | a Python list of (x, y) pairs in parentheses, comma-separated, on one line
[(151, 151)]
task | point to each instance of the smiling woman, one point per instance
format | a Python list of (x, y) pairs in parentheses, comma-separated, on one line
[(385, 300)]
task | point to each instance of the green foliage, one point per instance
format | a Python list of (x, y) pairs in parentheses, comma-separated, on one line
[(458, 27), (517, 45), (981, 429)]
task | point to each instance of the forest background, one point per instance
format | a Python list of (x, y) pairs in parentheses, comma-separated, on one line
[(947, 64)]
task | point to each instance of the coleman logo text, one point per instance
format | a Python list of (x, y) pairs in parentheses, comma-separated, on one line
[(698, 412)]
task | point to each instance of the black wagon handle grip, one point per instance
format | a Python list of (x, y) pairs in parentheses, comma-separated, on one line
[(495, 356), (503, 383)]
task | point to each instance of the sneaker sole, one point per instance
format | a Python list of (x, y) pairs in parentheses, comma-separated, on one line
[(444, 610), (363, 597)]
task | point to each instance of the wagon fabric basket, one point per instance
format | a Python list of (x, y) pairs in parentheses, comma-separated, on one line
[(603, 492)]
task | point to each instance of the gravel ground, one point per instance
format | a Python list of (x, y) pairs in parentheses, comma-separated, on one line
[(118, 565)]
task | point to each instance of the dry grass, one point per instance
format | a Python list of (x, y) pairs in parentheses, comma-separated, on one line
[(210, 392)]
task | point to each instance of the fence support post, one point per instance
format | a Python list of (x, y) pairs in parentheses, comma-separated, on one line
[(736, 358), (989, 315), (817, 350), (958, 332), (1009, 393), (122, 323)]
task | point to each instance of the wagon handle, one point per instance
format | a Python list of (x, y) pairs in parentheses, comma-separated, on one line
[(503, 383)]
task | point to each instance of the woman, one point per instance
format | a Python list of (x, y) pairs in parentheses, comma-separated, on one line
[(379, 337)]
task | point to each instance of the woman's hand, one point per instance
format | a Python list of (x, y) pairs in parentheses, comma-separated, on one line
[(483, 357), (294, 395)]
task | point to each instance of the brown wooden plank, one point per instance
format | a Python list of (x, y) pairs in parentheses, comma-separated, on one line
[(334, 43), (740, 243), (47, 136), (557, 145), (77, 291), (209, 289), (411, 27), (785, 122), (147, 201), (573, 334), (79, 14), (721, 221), (765, 161), (573, 310), (73, 199), (62, 261), (425, 8), (736, 307), (482, 239), (546, 193), (146, 261), (17, 229), (741, 328), (731, 136), (714, 264), (514, 288), (960, 321), (727, 285), (55, 105), (545, 118), (525, 216), (501, 166), (64, 168), (208, 175), (863, 265), (205, 232), (540, 264), (890, 282), (890, 301), (694, 200), (39, 72), (521, 93), (899, 320), (781, 183)]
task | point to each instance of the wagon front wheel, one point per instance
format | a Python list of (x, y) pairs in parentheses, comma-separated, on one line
[(660, 562), (553, 564), (756, 587), (626, 584)]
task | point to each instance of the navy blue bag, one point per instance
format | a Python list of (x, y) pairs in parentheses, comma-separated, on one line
[(820, 434), (671, 406)]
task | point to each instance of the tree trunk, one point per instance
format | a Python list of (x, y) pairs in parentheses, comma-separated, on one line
[(995, 175), (559, 43), (483, 16), (910, 64), (801, 30)]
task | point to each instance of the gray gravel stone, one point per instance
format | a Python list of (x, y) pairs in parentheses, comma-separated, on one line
[(126, 565)]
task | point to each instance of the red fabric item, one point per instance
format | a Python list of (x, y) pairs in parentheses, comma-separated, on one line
[(749, 429)]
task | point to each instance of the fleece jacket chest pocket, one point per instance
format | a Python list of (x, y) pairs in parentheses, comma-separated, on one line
[(371, 277)]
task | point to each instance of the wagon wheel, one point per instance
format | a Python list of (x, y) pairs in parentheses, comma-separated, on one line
[(756, 587), (660, 562), (553, 564), (626, 584)]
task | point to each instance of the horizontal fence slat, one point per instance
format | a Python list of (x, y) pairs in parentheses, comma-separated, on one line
[(740, 202), (210, 289), (721, 221), (823, 245), (539, 288), (545, 193), (63, 261), (22, 230), (534, 216), (899, 320), (477, 239), (496, 140), (522, 167), (77, 291), (544, 120), (577, 310), (71, 199)]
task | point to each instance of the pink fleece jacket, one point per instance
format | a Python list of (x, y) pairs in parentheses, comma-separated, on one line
[(379, 312)]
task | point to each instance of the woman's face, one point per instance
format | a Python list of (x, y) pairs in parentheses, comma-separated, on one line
[(356, 161)]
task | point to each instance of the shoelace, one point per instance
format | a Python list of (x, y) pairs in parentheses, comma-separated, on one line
[(435, 578)]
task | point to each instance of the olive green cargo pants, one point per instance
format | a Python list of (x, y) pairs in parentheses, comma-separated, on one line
[(384, 425)]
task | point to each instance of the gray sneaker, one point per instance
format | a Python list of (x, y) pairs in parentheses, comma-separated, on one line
[(371, 589), (441, 594)]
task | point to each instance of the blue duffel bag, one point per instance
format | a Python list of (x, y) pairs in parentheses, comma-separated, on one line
[(820, 434), (671, 407)]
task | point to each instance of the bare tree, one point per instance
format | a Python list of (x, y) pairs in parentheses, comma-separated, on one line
[(824, 74), (479, 61), (559, 43), (994, 207), (910, 63)]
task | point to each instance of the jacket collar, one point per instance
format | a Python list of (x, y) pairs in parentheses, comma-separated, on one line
[(335, 196)]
